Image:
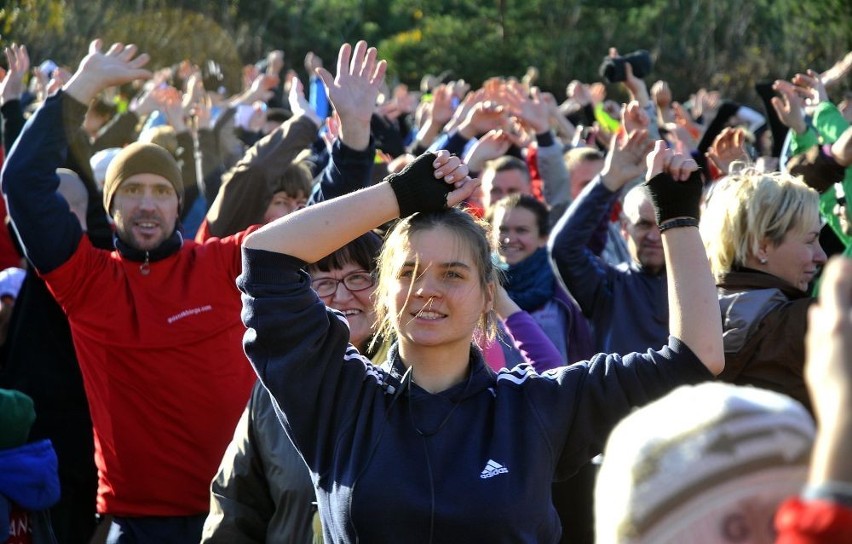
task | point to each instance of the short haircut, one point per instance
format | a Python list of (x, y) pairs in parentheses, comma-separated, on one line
[(746, 208), (506, 163), (527, 202), (296, 180), (362, 251), (578, 155)]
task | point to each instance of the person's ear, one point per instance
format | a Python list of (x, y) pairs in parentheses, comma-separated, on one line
[(490, 294)]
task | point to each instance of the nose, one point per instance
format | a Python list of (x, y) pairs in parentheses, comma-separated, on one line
[(341, 292), (146, 202), (427, 286), (819, 256), (654, 233)]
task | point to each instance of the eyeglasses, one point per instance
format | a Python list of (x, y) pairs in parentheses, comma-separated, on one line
[(354, 282)]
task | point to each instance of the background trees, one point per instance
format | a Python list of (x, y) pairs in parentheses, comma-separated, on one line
[(727, 44)]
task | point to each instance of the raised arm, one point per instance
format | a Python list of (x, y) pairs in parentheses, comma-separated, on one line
[(694, 317), (582, 272), (11, 89), (314, 232), (48, 230), (353, 93)]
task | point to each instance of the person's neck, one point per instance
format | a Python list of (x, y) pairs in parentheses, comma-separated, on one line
[(436, 368)]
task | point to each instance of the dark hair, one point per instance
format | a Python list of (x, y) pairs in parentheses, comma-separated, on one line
[(506, 163), (362, 251), (527, 202), (296, 179)]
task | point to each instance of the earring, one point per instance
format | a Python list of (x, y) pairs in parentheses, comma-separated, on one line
[(762, 260)]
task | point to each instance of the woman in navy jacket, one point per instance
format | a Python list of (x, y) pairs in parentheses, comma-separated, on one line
[(434, 446)]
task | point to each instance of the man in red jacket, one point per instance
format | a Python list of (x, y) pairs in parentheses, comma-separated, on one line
[(155, 322)]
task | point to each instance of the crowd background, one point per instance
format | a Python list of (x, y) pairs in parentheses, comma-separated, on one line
[(235, 73)]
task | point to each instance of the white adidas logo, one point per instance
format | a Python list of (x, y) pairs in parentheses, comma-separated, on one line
[(493, 468)]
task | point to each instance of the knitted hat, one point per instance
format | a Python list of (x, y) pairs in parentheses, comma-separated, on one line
[(140, 158), (687, 467), (16, 417)]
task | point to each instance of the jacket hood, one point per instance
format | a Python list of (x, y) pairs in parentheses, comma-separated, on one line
[(28, 475)]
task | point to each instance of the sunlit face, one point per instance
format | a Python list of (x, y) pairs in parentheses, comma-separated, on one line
[(145, 211), (496, 185), (643, 235), (356, 306), (436, 298), (283, 204), (798, 257), (516, 234)]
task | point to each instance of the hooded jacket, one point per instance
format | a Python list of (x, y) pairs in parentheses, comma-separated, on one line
[(764, 320), (392, 462)]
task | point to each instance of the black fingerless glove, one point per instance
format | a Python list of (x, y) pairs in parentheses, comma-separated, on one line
[(416, 188), (675, 198)]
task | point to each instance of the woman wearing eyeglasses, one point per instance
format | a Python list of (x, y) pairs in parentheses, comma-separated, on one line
[(263, 491), (345, 281)]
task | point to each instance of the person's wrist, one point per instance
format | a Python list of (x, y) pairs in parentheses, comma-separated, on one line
[(82, 88), (466, 131), (613, 180)]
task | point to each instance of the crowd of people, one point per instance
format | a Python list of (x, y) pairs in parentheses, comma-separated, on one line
[(342, 311)]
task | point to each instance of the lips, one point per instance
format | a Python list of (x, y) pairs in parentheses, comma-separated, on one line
[(429, 315)]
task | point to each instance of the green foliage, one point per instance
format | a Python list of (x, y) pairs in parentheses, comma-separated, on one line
[(725, 44)]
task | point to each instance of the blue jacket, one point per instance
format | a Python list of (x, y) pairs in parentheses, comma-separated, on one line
[(392, 462), (29, 479), (627, 307)]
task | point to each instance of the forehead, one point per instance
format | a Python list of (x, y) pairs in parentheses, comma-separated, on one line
[(335, 272), (510, 178), (637, 205), (514, 217), (152, 180), (437, 246)]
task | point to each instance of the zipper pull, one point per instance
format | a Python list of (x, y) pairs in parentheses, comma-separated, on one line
[(145, 268)]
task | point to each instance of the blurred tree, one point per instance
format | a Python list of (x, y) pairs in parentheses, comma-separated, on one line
[(724, 44)]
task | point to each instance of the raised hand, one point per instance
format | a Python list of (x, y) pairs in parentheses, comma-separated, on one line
[(354, 90), (12, 83), (442, 105), (531, 110), (810, 87), (634, 118), (99, 70), (172, 103), (300, 105), (625, 160), (664, 160), (729, 146), (789, 106), (454, 172), (494, 144)]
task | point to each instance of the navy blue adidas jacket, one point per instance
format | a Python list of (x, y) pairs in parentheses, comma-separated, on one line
[(394, 463)]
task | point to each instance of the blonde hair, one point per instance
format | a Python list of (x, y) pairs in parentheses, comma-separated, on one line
[(745, 209), (469, 233)]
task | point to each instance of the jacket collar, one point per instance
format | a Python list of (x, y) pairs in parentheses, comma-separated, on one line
[(742, 278), (481, 376)]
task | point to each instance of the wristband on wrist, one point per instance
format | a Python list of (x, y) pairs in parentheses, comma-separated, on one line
[(677, 223), (416, 188), (673, 199)]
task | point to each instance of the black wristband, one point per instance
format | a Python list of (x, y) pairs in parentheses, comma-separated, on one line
[(675, 199), (677, 223), (416, 188)]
